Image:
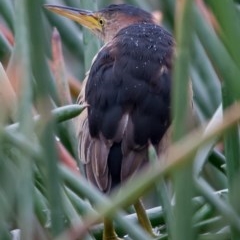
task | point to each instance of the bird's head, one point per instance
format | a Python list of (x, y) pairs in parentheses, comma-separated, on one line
[(107, 22)]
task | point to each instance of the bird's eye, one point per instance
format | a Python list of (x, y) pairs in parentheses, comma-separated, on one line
[(101, 21)]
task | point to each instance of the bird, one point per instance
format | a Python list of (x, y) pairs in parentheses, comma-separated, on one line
[(128, 93)]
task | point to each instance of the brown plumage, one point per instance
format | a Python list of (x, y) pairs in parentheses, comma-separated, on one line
[(127, 90)]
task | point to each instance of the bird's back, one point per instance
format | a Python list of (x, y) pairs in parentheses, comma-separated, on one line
[(128, 92)]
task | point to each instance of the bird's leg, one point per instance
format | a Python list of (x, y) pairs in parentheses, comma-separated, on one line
[(143, 218), (108, 231)]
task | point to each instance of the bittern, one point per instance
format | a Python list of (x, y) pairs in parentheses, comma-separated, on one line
[(128, 93)]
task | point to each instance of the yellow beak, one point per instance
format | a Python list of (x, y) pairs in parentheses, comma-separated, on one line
[(86, 18)]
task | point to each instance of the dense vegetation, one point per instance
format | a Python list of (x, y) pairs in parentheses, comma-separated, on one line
[(195, 188)]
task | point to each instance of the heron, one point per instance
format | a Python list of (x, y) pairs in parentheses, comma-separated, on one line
[(128, 93)]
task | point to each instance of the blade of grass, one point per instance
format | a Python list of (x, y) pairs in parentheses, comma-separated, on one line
[(203, 153), (206, 84), (63, 90), (7, 189), (81, 206), (227, 69), (41, 208), (217, 159), (46, 137), (72, 214), (232, 153), (25, 193), (21, 142), (7, 97), (69, 32), (7, 11), (162, 192), (60, 114), (72, 3), (214, 236), (203, 213), (5, 48), (229, 30), (227, 212), (59, 70), (90, 42), (212, 224), (182, 228)]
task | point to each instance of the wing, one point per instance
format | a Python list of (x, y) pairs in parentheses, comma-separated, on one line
[(128, 92)]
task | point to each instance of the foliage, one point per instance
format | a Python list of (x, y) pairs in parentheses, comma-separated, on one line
[(43, 193)]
